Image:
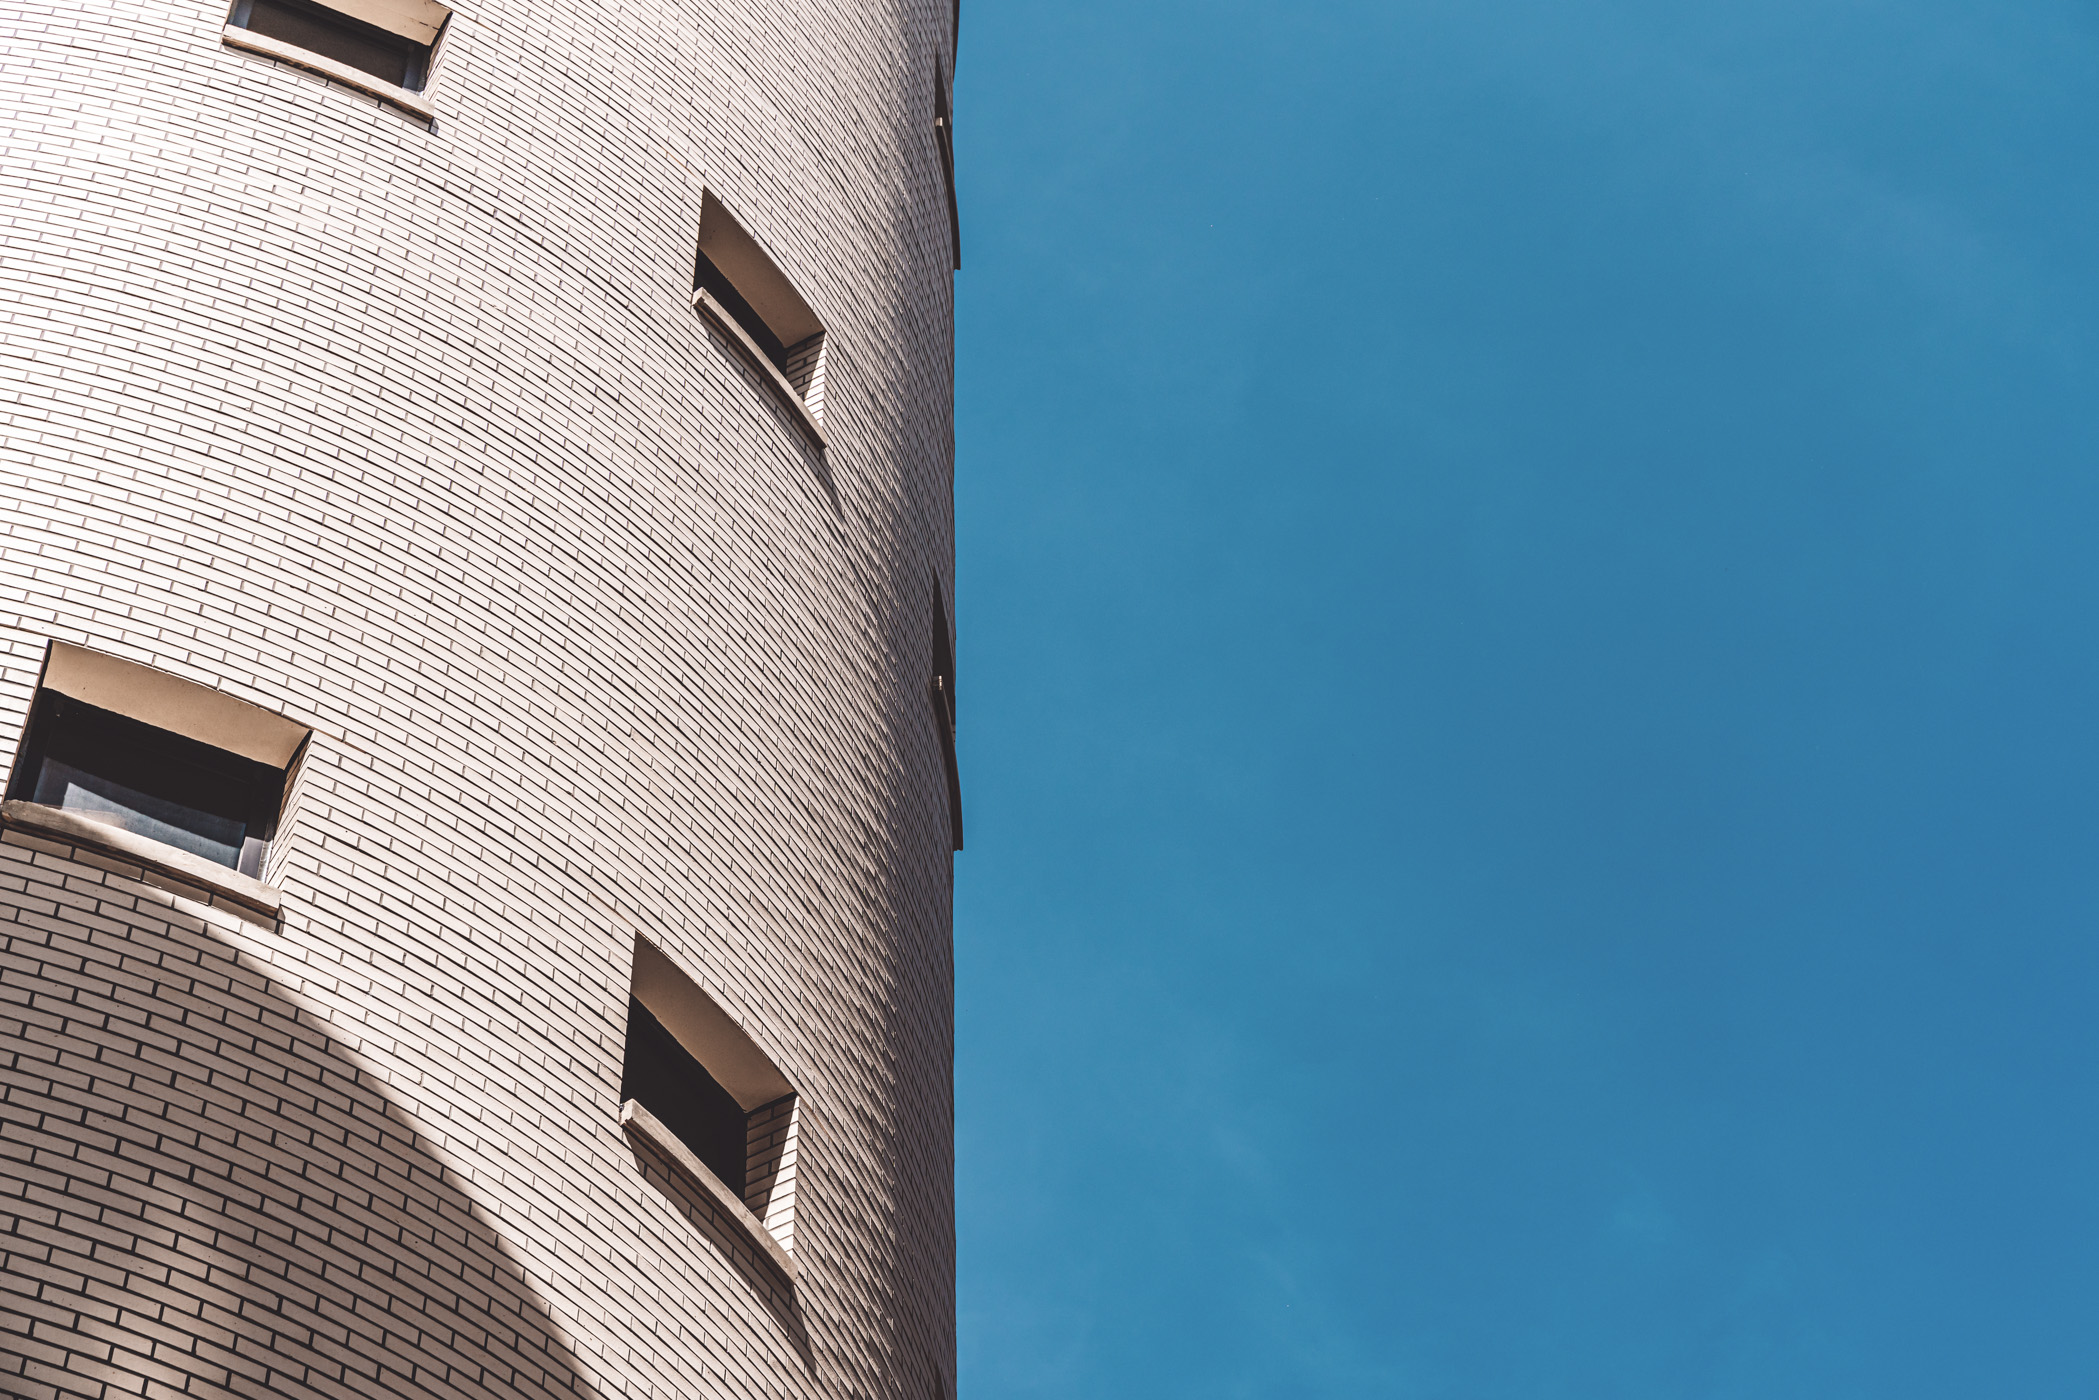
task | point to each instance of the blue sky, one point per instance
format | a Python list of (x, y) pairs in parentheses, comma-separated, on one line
[(1530, 714)]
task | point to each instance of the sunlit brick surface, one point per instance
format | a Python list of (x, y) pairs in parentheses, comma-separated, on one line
[(412, 435)]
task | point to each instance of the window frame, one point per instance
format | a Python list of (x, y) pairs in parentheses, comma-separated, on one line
[(742, 292), (762, 1205), (944, 138), (415, 57), (151, 764), (942, 692), (386, 21), (168, 724)]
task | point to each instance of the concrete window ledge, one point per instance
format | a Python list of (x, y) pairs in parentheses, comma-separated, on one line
[(217, 881), (718, 315), (262, 44), (645, 1125)]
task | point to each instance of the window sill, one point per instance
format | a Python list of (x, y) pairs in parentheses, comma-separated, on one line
[(718, 315), (216, 880), (409, 102), (644, 1125)]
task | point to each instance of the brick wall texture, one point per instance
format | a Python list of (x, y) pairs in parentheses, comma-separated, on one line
[(409, 432)]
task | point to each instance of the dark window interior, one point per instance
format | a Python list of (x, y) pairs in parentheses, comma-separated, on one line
[(670, 1083), (943, 692), (706, 274), (317, 29), (149, 781), (944, 128)]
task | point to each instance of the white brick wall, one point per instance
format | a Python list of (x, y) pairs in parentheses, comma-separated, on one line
[(412, 434), (769, 1169), (805, 371)]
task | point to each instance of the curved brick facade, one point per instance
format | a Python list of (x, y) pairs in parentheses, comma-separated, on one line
[(409, 432)]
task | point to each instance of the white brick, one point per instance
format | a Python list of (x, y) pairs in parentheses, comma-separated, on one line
[(411, 433)]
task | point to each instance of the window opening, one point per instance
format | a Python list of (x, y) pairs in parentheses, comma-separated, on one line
[(739, 287), (705, 1082), (717, 284), (944, 131), (152, 783), (943, 693), (382, 50), (664, 1078), (148, 753)]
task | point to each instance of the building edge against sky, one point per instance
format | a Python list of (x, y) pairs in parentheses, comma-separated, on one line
[(476, 561)]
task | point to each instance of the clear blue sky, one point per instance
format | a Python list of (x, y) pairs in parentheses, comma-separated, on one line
[(1530, 707)]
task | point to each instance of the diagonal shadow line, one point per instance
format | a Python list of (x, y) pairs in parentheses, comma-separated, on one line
[(200, 1185)]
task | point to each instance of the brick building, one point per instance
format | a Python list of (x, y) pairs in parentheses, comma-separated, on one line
[(477, 697)]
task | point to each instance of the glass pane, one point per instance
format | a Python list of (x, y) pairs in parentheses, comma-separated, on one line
[(217, 839)]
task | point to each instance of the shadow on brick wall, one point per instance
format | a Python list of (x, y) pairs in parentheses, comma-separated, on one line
[(200, 1188)]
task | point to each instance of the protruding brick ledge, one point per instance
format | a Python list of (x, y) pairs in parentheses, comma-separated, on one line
[(718, 316), (645, 1125), (217, 883)]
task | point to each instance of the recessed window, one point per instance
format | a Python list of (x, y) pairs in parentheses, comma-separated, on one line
[(671, 1083), (131, 748), (746, 295), (696, 1076), (944, 136), (152, 783), (391, 40), (943, 693)]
